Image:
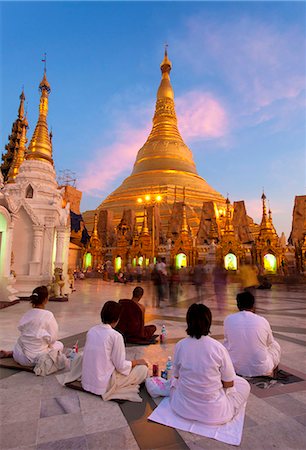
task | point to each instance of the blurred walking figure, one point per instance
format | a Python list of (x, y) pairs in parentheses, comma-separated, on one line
[(198, 279), (139, 273), (157, 282), (220, 283), (249, 277), (174, 284)]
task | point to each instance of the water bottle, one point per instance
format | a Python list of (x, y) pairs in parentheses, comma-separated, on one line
[(169, 367), (163, 334)]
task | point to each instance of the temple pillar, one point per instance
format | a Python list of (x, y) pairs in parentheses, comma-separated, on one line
[(35, 263), (60, 246)]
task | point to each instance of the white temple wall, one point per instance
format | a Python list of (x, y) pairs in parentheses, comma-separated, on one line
[(22, 243), (5, 242)]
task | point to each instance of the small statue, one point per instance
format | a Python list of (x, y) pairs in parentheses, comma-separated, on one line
[(58, 282)]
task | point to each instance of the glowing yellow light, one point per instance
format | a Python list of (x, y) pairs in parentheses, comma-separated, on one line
[(158, 198), (147, 198), (139, 200)]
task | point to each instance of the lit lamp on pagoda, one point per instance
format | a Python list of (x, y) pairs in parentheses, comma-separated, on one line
[(149, 200)]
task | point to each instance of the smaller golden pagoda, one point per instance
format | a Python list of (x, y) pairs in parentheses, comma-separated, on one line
[(40, 147), (19, 129)]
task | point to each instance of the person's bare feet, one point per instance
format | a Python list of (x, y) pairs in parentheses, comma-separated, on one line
[(6, 354)]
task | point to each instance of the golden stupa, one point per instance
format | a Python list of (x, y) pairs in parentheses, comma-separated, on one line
[(164, 166)]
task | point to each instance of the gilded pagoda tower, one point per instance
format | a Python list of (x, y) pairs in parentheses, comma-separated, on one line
[(164, 166)]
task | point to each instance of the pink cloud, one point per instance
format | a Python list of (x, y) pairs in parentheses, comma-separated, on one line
[(201, 116), (111, 161)]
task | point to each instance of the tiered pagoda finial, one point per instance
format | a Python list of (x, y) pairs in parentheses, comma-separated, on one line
[(145, 229), (19, 155), (164, 120), (40, 147), (229, 229), (14, 139)]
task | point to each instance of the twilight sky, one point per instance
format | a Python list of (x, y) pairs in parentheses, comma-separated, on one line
[(238, 75)]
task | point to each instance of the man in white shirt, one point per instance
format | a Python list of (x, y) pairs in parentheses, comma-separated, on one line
[(105, 370), (249, 340)]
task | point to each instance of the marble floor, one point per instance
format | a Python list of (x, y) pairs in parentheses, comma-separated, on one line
[(38, 413)]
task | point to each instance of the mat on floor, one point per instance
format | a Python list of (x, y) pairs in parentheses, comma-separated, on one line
[(230, 433), (136, 341), (283, 377), (58, 299), (7, 304), (10, 363)]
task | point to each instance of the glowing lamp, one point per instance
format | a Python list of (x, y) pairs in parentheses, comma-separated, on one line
[(147, 198), (158, 198), (139, 200)]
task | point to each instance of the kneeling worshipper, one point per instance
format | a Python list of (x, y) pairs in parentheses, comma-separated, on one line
[(249, 340), (131, 323), (37, 344), (206, 396), (105, 370)]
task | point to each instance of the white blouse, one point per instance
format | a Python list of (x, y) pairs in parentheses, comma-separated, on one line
[(103, 353), (198, 394)]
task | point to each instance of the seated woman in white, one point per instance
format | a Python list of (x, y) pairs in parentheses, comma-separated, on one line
[(38, 331), (205, 387), (105, 370)]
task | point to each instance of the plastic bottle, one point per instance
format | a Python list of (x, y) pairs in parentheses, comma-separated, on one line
[(163, 334), (169, 363)]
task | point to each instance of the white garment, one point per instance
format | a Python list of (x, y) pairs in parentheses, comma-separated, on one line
[(249, 340), (198, 393), (39, 331), (103, 353)]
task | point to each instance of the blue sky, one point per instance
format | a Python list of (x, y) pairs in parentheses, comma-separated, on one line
[(238, 76)]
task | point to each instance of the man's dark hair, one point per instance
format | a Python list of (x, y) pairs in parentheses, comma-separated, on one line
[(110, 312), (245, 300), (198, 320), (138, 292)]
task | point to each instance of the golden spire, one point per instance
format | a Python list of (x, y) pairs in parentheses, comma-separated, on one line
[(264, 220), (184, 227), (229, 229), (145, 229), (19, 154), (95, 227), (164, 120), (21, 106), (40, 146)]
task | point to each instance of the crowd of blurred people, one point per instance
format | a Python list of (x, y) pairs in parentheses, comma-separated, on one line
[(168, 281)]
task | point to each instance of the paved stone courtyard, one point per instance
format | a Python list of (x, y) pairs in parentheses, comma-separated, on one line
[(38, 413)]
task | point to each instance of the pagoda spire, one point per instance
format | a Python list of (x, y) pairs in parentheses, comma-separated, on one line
[(21, 106), (145, 228), (95, 227), (40, 147), (184, 226), (264, 221), (164, 120), (14, 139), (19, 155), (229, 229)]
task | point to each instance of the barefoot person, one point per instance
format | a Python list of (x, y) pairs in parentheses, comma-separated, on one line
[(249, 340), (206, 387), (105, 369), (38, 331)]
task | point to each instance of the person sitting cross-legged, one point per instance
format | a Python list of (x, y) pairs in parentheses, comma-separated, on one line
[(105, 369), (38, 332), (205, 387), (249, 340), (131, 323)]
